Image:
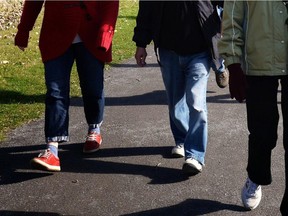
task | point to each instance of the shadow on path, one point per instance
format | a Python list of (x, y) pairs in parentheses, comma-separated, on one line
[(157, 97), (190, 207), (15, 168)]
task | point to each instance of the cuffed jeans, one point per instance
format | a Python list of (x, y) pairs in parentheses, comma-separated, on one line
[(263, 118), (57, 77), (185, 79)]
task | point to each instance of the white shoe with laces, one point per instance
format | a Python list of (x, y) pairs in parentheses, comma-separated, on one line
[(192, 166), (178, 151), (251, 195)]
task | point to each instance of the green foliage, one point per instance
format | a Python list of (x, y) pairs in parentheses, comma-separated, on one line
[(22, 87)]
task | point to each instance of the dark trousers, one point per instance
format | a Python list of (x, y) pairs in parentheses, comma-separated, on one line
[(263, 118)]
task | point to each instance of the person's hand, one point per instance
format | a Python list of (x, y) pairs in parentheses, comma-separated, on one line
[(140, 56), (237, 82)]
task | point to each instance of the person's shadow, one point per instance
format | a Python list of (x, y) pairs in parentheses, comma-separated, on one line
[(190, 207), (14, 163)]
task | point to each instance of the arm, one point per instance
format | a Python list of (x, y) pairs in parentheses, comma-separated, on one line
[(140, 56), (31, 10), (108, 11), (231, 47), (232, 42), (143, 32)]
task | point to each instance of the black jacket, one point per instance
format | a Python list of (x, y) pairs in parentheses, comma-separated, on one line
[(149, 20)]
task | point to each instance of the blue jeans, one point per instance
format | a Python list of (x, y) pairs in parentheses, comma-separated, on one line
[(57, 77), (185, 79)]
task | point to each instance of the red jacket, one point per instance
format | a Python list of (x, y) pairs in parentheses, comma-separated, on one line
[(94, 21)]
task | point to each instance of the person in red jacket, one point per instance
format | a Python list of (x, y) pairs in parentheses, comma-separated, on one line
[(80, 31)]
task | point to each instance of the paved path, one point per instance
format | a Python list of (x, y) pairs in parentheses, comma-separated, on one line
[(133, 173)]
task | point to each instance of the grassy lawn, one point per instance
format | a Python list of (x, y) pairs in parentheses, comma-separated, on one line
[(21, 73)]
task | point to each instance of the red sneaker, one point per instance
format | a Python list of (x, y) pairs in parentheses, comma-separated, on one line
[(93, 142), (46, 161)]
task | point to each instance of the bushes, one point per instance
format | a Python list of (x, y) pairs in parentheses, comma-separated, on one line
[(10, 11)]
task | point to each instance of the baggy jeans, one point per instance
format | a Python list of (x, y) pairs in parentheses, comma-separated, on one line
[(185, 80)]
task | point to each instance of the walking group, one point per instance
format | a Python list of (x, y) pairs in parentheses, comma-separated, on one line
[(190, 38)]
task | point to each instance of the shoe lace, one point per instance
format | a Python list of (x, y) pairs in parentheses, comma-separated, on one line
[(221, 75), (45, 154), (92, 136), (252, 187)]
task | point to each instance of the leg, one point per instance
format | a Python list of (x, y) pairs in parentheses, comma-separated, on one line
[(262, 116), (91, 76), (57, 77), (174, 82), (196, 76), (222, 76)]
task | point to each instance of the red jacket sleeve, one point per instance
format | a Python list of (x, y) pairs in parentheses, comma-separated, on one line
[(31, 10), (109, 13)]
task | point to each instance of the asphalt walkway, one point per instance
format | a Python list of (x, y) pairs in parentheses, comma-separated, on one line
[(133, 173)]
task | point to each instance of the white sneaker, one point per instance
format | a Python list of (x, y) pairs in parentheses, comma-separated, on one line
[(251, 194), (178, 151), (192, 166)]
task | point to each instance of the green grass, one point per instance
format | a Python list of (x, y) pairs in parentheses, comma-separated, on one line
[(22, 86), (123, 47)]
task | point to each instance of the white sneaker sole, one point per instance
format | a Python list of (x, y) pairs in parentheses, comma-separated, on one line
[(191, 169), (38, 164)]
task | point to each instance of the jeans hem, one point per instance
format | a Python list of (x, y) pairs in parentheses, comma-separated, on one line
[(200, 160), (57, 139)]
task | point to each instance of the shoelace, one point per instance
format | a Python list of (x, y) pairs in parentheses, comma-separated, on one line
[(91, 136), (222, 75), (252, 187), (45, 154)]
